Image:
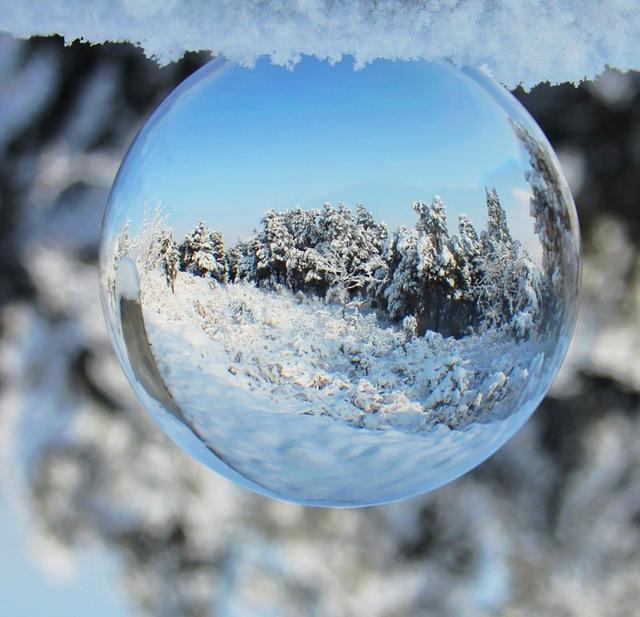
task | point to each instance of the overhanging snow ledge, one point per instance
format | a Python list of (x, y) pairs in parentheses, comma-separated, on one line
[(520, 42)]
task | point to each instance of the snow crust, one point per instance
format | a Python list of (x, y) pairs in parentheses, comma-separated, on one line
[(519, 42)]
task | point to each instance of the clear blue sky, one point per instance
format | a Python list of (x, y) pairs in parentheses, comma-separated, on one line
[(242, 140)]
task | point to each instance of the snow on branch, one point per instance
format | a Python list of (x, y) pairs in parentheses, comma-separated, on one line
[(520, 42)]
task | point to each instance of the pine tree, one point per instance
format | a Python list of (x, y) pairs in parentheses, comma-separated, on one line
[(243, 260), (527, 296), (552, 221), (497, 230), (350, 251), (220, 265), (370, 239), (403, 293), (553, 224), (468, 256), (196, 252), (498, 255), (466, 251), (435, 267), (169, 258), (272, 250)]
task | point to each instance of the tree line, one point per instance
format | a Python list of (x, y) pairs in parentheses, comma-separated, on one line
[(448, 283)]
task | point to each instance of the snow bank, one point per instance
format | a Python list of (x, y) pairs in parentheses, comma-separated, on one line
[(521, 42)]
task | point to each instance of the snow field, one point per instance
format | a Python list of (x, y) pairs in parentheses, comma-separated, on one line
[(304, 356), (306, 404)]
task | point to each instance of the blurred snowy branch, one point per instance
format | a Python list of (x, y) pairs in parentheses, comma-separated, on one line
[(521, 42), (549, 526)]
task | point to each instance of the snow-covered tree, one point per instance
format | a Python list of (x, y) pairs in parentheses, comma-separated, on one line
[(243, 261), (551, 219), (465, 250), (169, 258), (499, 252), (528, 296), (315, 251), (451, 284), (436, 267), (220, 270), (274, 244), (346, 279), (350, 250), (553, 224), (124, 244), (497, 230), (198, 256), (146, 247), (403, 291)]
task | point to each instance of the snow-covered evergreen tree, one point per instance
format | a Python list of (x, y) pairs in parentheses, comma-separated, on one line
[(497, 230), (403, 293), (553, 224), (467, 257), (349, 251), (370, 240), (220, 269), (499, 252), (242, 260), (436, 266), (465, 248), (451, 284), (169, 257), (376, 233), (528, 295), (196, 252), (274, 244)]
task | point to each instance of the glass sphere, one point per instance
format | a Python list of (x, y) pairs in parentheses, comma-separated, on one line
[(340, 287)]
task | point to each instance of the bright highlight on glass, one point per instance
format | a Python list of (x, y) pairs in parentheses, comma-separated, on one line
[(340, 287)]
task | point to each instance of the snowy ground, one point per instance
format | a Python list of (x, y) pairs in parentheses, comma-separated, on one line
[(310, 357), (367, 412)]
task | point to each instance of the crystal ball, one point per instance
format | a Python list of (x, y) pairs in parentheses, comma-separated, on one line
[(340, 287)]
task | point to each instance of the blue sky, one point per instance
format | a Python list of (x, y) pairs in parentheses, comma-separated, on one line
[(241, 141)]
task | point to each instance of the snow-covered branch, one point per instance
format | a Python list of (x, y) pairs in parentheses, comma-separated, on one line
[(521, 42)]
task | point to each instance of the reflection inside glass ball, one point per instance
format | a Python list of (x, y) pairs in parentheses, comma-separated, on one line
[(340, 287)]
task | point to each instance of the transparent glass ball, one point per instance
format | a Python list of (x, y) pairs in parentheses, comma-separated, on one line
[(340, 287)]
